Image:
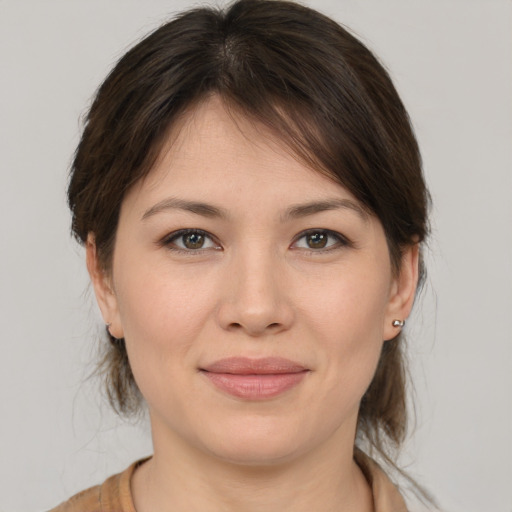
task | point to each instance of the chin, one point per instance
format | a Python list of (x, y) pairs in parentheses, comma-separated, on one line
[(259, 453), (257, 442)]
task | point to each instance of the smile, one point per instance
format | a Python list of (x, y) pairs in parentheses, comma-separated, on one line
[(254, 379)]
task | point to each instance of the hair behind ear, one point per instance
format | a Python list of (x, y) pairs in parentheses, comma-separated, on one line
[(383, 407), (115, 371)]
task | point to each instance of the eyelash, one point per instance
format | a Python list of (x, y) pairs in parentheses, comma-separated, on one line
[(169, 241), (340, 240)]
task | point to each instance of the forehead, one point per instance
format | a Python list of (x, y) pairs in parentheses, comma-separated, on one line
[(213, 128), (213, 147)]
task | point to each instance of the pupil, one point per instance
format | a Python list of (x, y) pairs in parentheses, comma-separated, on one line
[(194, 241), (317, 240)]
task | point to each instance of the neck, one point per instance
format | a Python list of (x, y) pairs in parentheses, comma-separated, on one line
[(181, 479)]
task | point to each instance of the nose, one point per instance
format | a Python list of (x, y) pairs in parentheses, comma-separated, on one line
[(256, 297)]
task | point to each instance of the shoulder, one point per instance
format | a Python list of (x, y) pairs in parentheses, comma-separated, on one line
[(114, 495), (88, 500)]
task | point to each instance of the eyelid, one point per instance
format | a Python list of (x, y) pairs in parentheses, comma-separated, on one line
[(342, 240), (167, 240)]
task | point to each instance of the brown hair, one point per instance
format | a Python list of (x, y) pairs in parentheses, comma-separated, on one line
[(304, 77)]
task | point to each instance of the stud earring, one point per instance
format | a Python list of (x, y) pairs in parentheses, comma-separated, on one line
[(398, 323)]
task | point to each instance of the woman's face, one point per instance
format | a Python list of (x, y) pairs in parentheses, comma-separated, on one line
[(253, 293)]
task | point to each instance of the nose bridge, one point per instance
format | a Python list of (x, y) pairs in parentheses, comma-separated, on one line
[(256, 300), (257, 285)]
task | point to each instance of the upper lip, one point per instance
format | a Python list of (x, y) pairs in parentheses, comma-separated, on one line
[(254, 366)]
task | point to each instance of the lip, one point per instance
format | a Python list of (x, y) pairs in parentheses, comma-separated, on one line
[(254, 379)]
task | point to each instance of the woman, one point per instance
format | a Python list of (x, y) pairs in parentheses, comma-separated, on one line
[(249, 192)]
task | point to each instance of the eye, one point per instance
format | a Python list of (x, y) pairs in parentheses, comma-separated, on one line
[(319, 239), (190, 240)]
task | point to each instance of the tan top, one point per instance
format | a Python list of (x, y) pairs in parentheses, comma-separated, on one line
[(114, 495)]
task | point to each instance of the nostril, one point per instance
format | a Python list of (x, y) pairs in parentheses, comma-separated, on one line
[(235, 326)]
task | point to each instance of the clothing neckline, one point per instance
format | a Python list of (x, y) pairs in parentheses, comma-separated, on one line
[(386, 496)]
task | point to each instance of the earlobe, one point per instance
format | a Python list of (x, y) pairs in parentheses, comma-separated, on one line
[(403, 292), (103, 289)]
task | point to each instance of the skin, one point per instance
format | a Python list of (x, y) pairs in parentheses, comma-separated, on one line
[(254, 289)]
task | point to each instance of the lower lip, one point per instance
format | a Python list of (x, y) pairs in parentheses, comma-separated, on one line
[(255, 387)]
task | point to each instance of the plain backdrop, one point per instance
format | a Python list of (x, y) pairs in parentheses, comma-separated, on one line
[(452, 63)]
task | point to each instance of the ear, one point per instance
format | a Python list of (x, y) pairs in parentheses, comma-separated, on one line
[(103, 289), (403, 291)]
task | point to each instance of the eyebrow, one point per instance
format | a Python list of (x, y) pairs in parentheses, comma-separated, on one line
[(172, 203), (293, 212), (304, 210)]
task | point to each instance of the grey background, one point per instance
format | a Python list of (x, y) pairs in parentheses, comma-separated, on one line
[(452, 63)]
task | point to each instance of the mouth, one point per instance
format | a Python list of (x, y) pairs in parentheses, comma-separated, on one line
[(254, 379)]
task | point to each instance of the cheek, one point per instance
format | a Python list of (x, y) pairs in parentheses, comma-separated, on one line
[(347, 319), (161, 314), (161, 319), (350, 309)]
